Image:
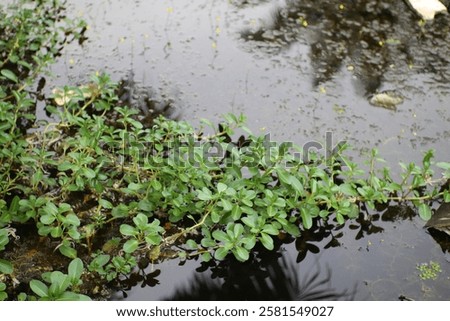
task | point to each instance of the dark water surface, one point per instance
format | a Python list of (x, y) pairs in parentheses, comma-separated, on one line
[(297, 69)]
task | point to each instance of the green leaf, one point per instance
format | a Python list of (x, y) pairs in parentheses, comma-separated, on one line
[(130, 246), (354, 211), (5, 267), (220, 253), (120, 211), (215, 216), (14, 206), (47, 219), (9, 75), (266, 241), (206, 257), (100, 260), (205, 194), (59, 283), (292, 229), (72, 219), (145, 206), (240, 253), (68, 251), (270, 229), (226, 204), (105, 204), (306, 218), (51, 209), (294, 182), (424, 212), (153, 239), (220, 236), (446, 196), (238, 230), (88, 172), (191, 244), (65, 166), (56, 232), (128, 230), (207, 242), (250, 221), (283, 175), (74, 234), (348, 189), (21, 296), (75, 269), (71, 296), (221, 187), (249, 242), (141, 221), (39, 288), (340, 219), (236, 212)]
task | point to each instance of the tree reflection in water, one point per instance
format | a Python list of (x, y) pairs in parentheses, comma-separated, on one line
[(269, 277), (372, 37)]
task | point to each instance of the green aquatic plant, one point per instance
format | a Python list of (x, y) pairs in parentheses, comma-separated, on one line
[(429, 271), (59, 284), (107, 189)]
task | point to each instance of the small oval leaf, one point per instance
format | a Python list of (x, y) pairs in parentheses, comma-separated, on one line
[(9, 75), (39, 288)]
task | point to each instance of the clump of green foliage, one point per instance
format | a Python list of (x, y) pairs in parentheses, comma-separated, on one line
[(107, 188), (429, 271)]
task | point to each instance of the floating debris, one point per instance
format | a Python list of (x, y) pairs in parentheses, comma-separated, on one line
[(386, 99), (427, 9)]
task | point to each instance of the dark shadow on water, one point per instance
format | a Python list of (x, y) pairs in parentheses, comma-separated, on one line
[(271, 277)]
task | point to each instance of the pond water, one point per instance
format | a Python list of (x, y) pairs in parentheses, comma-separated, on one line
[(297, 70)]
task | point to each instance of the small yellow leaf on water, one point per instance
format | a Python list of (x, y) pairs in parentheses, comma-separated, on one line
[(71, 61), (214, 45), (381, 43), (218, 30), (341, 7), (122, 39), (322, 90), (169, 9), (305, 23)]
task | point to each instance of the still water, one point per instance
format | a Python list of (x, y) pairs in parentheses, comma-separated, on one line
[(297, 70)]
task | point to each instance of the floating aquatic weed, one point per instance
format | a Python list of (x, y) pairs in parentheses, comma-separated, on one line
[(429, 271)]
